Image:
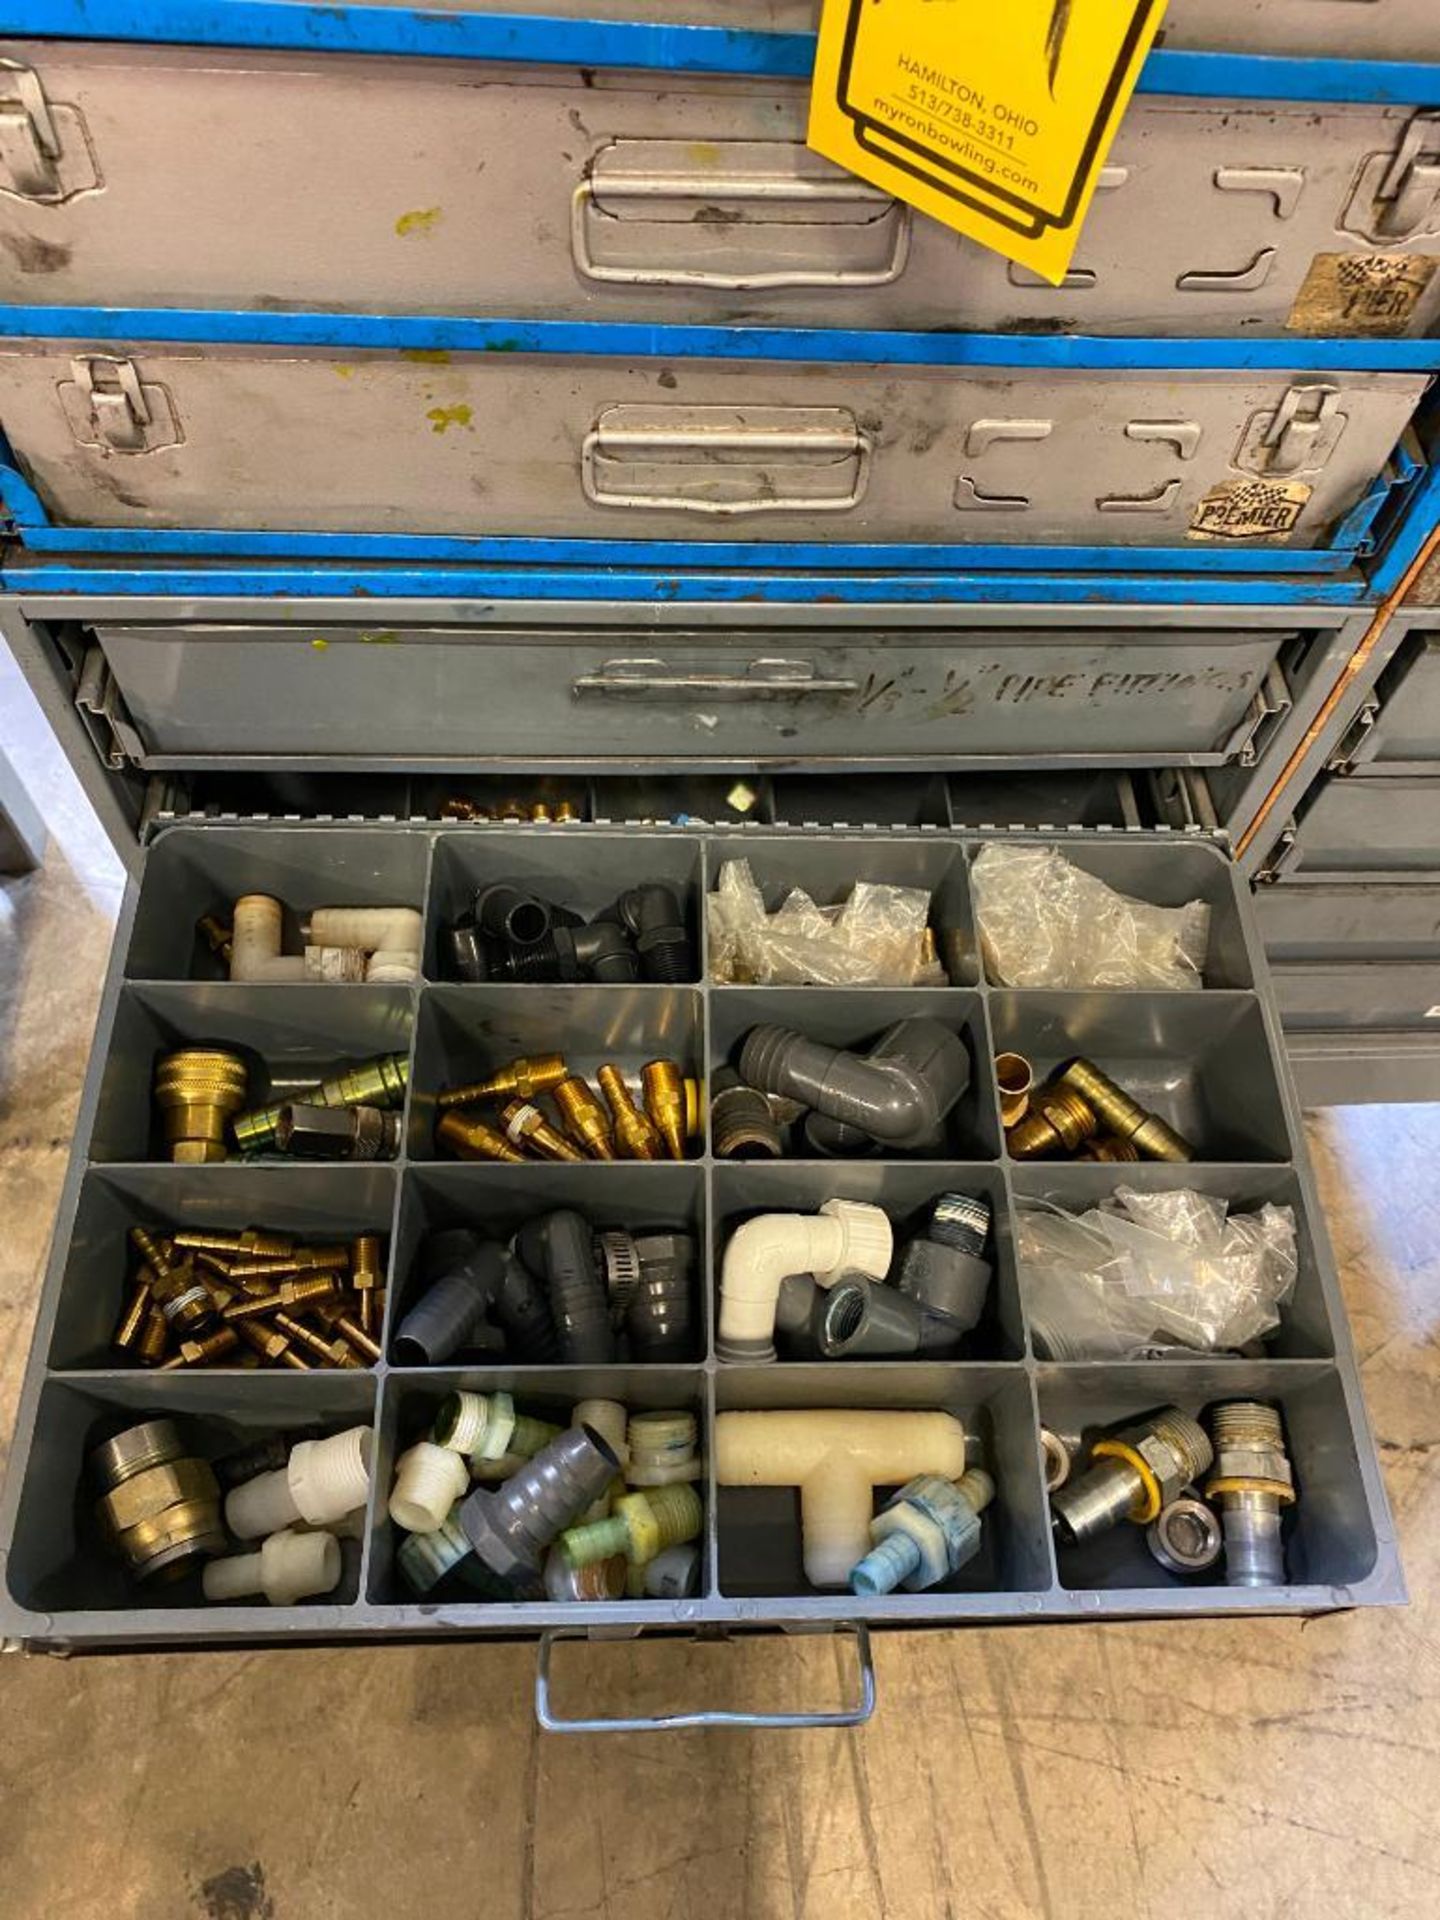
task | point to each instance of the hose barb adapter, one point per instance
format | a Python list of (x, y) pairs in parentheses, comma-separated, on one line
[(1138, 1470), (945, 1269), (927, 1532), (899, 1094), (290, 1566), (1123, 1117), (846, 1236), (642, 1525), (1252, 1482), (322, 1481), (511, 1526)]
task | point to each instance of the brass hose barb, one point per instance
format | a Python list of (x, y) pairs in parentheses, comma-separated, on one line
[(471, 1139), (1058, 1121), (526, 1126), (636, 1134), (665, 1103), (1123, 1116), (521, 1079), (585, 1117)]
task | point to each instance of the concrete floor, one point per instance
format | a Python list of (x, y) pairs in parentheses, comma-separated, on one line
[(1238, 1771)]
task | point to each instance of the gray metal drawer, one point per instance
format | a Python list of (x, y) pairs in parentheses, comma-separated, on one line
[(1399, 730), (328, 695), (1354, 919), (536, 191), (584, 444), (1367, 826)]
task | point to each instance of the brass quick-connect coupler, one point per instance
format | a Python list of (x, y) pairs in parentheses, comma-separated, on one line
[(585, 1116), (1137, 1470), (1253, 1481), (635, 1134), (664, 1086), (1123, 1116), (469, 1138), (526, 1126), (1057, 1121), (159, 1506), (521, 1079), (197, 1090), (380, 1082)]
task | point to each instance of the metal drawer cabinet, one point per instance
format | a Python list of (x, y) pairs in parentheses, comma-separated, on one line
[(1209, 1060), (593, 444), (1397, 730), (1348, 826), (538, 191)]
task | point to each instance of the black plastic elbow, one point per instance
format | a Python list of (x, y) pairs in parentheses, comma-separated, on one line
[(653, 914), (445, 1317), (507, 912), (900, 1093), (560, 1246)]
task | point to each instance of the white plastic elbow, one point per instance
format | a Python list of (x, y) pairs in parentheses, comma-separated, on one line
[(391, 936), (846, 1236), (256, 933), (322, 1481), (289, 1567), (836, 1458)]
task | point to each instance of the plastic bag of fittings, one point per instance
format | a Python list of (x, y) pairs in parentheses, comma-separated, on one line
[(1149, 1273), (1045, 922), (878, 937)]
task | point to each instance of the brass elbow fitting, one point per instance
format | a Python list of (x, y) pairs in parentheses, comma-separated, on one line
[(522, 1079), (471, 1139), (159, 1506), (1058, 1121), (635, 1134), (666, 1104), (1124, 1117), (1253, 1481), (586, 1120), (196, 1090), (526, 1126)]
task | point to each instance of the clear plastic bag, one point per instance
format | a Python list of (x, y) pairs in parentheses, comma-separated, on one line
[(1148, 1273), (1045, 922), (878, 937)]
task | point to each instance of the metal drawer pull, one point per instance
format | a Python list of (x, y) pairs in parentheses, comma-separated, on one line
[(678, 198), (1183, 435), (1239, 280), (641, 679), (1284, 185), (1077, 280), (969, 499), (1160, 501), (983, 434), (762, 450), (29, 143), (854, 1715)]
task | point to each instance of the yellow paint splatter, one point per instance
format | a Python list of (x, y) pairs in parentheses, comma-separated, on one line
[(382, 638), (343, 369), (426, 356), (443, 418), (320, 645), (418, 220), (705, 153)]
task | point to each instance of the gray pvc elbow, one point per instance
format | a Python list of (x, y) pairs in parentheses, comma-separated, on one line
[(865, 1318), (444, 1318), (899, 1093)]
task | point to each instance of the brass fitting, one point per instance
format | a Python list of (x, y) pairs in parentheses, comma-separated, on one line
[(200, 1353), (1253, 1481), (521, 1079), (159, 1506), (380, 1082), (694, 1108), (366, 1262), (131, 1324), (664, 1086), (566, 810), (229, 1243), (526, 1126), (272, 1346), (586, 1120), (635, 1134), (1109, 1147), (216, 935), (180, 1297), (256, 1244), (1135, 1471), (471, 1139), (1015, 1077), (196, 1090), (251, 1306), (308, 1289), (333, 1353), (357, 1335), (1122, 1115), (1058, 1121), (154, 1341)]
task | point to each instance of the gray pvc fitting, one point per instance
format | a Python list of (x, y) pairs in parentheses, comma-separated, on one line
[(524, 1315), (445, 1317), (661, 1314), (899, 1093), (511, 1526), (864, 1317), (946, 1282), (795, 1307), (561, 1247)]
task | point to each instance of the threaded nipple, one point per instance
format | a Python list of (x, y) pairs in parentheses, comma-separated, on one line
[(1249, 1424), (1187, 1437), (960, 1222)]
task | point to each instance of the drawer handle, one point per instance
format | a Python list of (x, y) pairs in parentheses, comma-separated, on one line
[(646, 679), (1160, 501), (1242, 280), (851, 1715), (761, 451), (660, 177)]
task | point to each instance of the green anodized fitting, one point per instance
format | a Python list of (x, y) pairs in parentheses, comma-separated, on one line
[(380, 1082), (642, 1525)]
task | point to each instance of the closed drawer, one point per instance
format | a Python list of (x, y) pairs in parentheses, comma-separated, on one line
[(1387, 994), (591, 444), (421, 186), (327, 695), (1350, 919), (1368, 826), (1400, 731)]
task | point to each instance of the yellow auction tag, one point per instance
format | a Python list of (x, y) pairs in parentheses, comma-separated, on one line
[(993, 116)]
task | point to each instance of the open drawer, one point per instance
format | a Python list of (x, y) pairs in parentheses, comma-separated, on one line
[(1210, 1062)]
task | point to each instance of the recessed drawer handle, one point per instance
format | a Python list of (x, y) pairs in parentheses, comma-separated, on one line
[(760, 680), (1160, 501), (1241, 280), (716, 460)]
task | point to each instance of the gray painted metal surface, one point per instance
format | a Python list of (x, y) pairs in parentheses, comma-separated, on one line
[(1210, 1060), (609, 196), (587, 446)]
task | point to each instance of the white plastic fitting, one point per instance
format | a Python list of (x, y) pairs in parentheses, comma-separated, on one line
[(256, 931), (611, 1421), (846, 1236), (322, 1481), (393, 963), (837, 1458), (662, 1449), (338, 965), (289, 1567), (428, 1482), (390, 935)]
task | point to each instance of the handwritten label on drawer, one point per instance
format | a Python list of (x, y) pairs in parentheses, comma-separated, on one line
[(1250, 510), (1373, 294)]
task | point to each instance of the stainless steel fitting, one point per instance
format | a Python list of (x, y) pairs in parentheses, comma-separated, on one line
[(1137, 1470), (1185, 1537), (1253, 1482)]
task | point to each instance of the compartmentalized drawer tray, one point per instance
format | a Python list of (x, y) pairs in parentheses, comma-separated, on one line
[(1209, 1061)]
